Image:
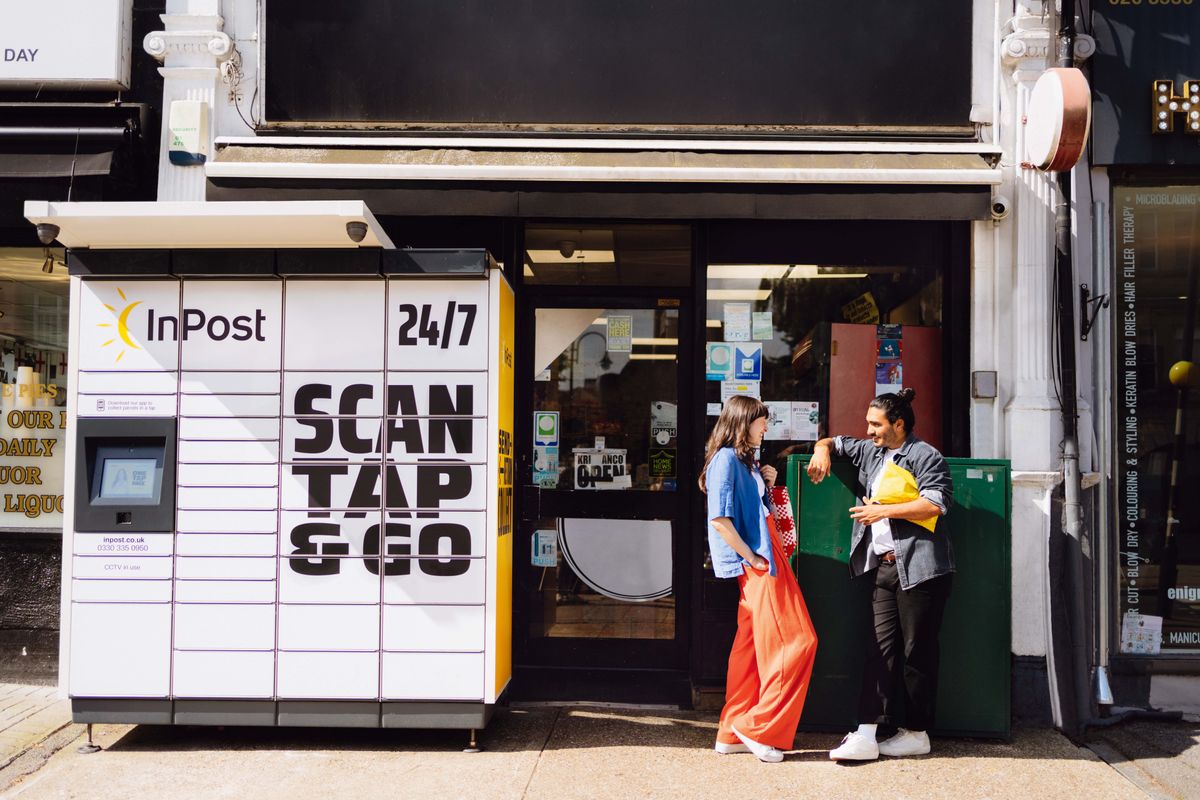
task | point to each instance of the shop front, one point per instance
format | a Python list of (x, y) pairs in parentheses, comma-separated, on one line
[(665, 252), (632, 337), (1148, 179), (78, 122), (628, 338)]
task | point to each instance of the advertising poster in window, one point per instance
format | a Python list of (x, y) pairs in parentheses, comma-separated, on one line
[(1157, 458), (32, 428)]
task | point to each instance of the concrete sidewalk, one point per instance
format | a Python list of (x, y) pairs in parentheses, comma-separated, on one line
[(28, 715), (556, 753)]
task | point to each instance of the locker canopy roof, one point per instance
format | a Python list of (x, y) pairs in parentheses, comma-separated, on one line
[(230, 225)]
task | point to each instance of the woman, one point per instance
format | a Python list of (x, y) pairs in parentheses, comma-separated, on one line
[(772, 655)]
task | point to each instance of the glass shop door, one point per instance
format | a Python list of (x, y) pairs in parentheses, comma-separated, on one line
[(606, 475)]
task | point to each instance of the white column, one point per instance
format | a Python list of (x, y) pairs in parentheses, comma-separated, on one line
[(191, 47), (1033, 423), (1025, 324)]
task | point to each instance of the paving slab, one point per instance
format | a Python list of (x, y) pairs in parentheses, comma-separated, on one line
[(556, 753), (1160, 756), (28, 714)]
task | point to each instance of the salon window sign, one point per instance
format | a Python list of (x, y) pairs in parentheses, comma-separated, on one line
[(32, 430), (1157, 461), (79, 44)]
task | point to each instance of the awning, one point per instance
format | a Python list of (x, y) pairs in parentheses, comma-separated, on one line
[(653, 178), (54, 165), (701, 163), (177, 225)]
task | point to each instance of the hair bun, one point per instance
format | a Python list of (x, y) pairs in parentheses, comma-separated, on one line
[(907, 395)]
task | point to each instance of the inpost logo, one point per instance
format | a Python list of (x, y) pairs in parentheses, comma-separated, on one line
[(166, 328), (122, 325)]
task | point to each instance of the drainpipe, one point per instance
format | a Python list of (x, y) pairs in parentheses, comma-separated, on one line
[(1072, 521)]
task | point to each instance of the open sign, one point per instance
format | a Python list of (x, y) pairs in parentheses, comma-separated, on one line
[(601, 469)]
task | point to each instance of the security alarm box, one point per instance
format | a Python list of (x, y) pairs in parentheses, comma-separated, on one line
[(125, 475)]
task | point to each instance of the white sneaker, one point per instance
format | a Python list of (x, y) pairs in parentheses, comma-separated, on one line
[(764, 752), (855, 747), (724, 748), (905, 743)]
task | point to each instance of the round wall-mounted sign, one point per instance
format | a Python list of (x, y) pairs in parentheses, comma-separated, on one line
[(1058, 119)]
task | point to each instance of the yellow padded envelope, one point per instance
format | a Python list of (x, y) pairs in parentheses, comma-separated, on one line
[(898, 485)]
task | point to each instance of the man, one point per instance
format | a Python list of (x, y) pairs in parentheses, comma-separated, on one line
[(909, 562)]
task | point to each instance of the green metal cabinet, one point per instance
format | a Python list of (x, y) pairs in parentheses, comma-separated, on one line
[(975, 678)]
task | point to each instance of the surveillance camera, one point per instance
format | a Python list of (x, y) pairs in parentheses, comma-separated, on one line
[(357, 231), (1000, 206), (566, 248), (47, 232)]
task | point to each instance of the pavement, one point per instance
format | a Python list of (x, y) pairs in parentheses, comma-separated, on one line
[(1160, 758), (28, 715), (566, 752)]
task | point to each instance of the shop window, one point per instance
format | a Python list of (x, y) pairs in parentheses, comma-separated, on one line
[(817, 341), (33, 363), (610, 397), (1157, 418)]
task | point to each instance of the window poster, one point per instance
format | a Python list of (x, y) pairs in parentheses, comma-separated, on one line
[(1141, 634), (747, 362), (601, 468), (889, 377), (664, 422), (620, 334), (662, 462), (32, 451), (731, 388), (806, 417), (737, 322), (779, 424), (544, 551), (718, 361), (762, 328), (862, 309)]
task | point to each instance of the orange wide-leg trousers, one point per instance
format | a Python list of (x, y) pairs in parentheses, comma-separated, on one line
[(771, 661)]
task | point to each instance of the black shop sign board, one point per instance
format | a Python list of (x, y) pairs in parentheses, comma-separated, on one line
[(624, 63), (1139, 45)]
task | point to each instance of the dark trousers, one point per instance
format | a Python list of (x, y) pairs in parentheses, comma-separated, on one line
[(903, 641)]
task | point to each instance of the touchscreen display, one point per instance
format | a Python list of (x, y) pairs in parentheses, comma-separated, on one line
[(132, 478)]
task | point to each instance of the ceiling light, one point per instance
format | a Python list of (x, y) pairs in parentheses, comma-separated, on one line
[(653, 342), (738, 294), (813, 272), (747, 272), (652, 357), (712, 323), (577, 256)]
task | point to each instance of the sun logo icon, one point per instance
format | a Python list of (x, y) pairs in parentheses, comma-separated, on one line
[(122, 325)]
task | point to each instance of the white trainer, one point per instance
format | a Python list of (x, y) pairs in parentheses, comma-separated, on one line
[(724, 748), (764, 752), (905, 743), (855, 747)]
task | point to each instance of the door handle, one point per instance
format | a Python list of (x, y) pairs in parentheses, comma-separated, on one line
[(531, 503)]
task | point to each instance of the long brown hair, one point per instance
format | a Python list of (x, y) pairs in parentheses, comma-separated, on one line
[(733, 430)]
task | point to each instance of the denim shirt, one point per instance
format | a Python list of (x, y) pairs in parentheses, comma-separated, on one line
[(733, 493), (920, 554)]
